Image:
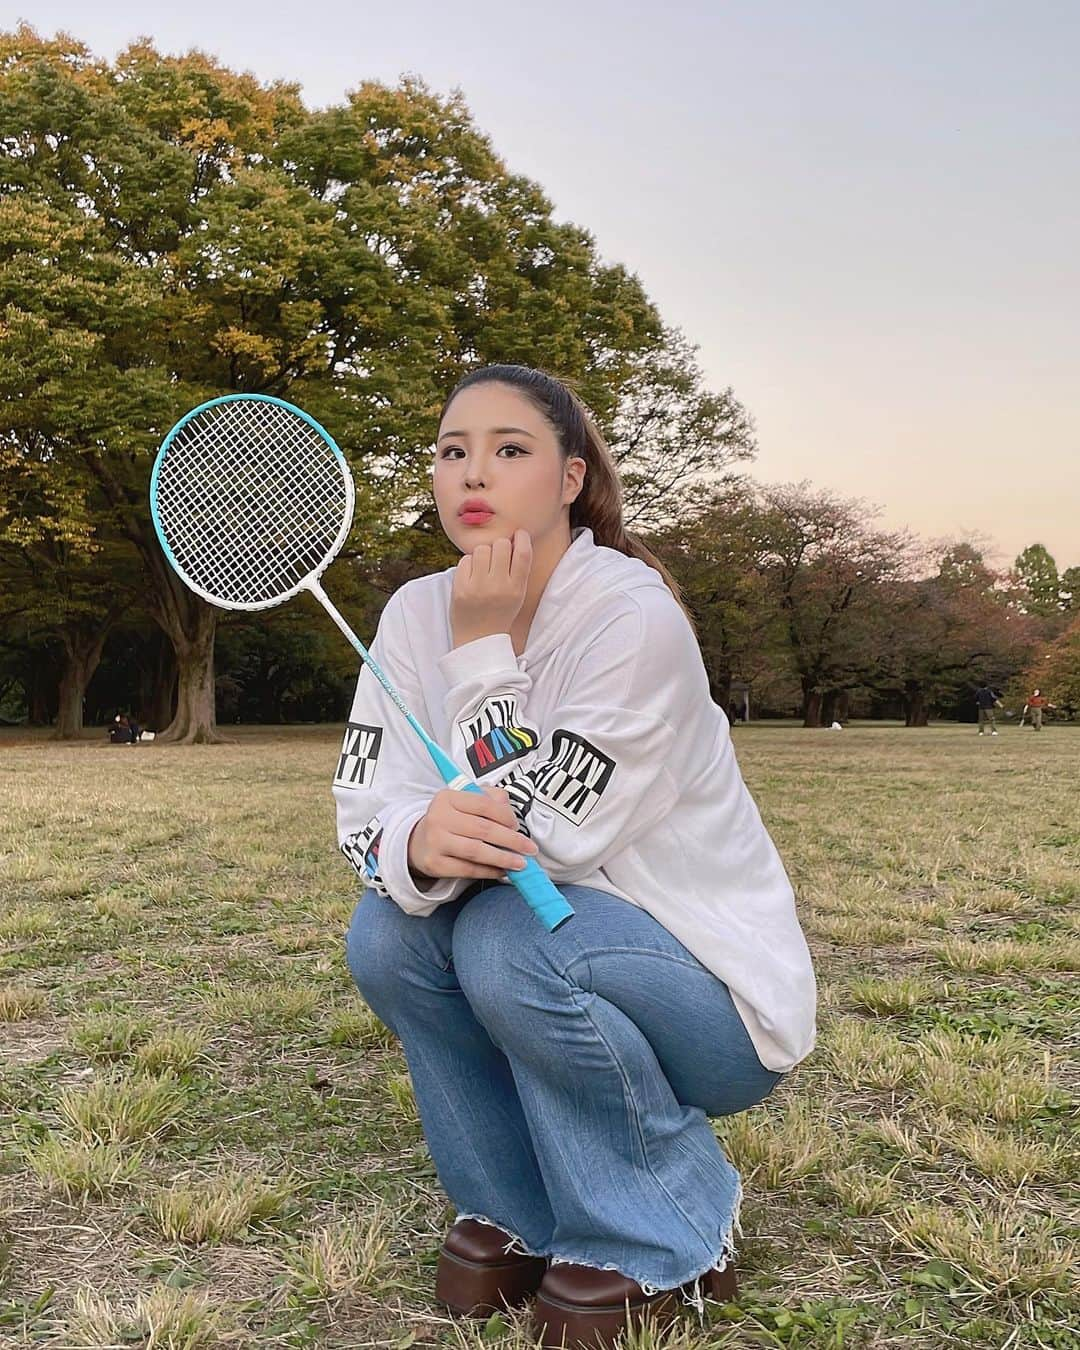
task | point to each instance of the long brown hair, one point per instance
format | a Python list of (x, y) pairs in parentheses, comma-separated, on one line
[(599, 504)]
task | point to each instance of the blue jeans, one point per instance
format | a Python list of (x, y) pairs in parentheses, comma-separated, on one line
[(564, 1080)]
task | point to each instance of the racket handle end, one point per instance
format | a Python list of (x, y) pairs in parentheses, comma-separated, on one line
[(548, 904)]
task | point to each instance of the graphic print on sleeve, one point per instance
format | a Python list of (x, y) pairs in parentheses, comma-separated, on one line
[(571, 781), (359, 756), (362, 850), (494, 735)]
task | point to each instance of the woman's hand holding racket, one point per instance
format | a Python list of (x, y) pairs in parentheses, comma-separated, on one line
[(489, 588), (468, 834)]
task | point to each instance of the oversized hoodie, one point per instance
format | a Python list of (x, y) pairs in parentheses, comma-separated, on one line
[(615, 758)]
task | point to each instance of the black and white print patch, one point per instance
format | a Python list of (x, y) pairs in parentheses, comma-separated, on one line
[(494, 734), (359, 756), (362, 850), (571, 781)]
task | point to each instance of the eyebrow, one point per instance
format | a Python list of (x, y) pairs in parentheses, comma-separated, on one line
[(495, 431)]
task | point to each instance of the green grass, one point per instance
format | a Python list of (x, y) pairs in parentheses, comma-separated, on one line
[(207, 1139)]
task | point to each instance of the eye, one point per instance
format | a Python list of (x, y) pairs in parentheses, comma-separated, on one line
[(449, 449)]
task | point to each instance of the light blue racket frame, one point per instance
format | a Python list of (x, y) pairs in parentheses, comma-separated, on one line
[(548, 904)]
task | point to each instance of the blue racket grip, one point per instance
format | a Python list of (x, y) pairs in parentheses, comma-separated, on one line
[(548, 904)]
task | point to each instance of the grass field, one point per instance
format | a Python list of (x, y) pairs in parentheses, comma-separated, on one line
[(206, 1138)]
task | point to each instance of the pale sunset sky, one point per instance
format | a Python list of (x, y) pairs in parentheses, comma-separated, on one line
[(866, 214)]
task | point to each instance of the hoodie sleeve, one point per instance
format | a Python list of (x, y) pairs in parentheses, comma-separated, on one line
[(385, 778), (596, 775)]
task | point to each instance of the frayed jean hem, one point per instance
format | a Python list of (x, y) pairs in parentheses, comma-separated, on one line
[(692, 1297)]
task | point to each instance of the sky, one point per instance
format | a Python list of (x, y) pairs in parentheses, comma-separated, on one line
[(866, 215)]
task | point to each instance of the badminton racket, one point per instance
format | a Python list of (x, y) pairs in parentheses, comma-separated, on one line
[(251, 500)]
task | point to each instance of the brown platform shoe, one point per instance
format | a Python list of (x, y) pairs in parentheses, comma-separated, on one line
[(584, 1308), (476, 1276)]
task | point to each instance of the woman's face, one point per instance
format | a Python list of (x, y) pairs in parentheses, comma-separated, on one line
[(496, 447)]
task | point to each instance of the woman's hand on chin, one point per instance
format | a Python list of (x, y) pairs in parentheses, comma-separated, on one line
[(489, 588)]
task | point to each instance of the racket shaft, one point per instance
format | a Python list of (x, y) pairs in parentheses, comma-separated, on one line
[(548, 904)]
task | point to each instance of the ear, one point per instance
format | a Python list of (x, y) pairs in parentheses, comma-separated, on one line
[(573, 478)]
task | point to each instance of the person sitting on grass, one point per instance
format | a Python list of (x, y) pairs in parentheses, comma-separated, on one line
[(565, 1080), (120, 730)]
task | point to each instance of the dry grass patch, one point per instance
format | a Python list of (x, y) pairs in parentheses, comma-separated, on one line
[(996, 1080), (773, 1150), (303, 939), (1005, 1254), (861, 930), (19, 1002), (79, 1167), (219, 1209), (172, 1051), (890, 997), (108, 1036), (280, 1005), (343, 1260), (996, 957), (918, 1145), (1003, 1157), (163, 1319), (399, 1089), (865, 1193), (22, 921), (862, 1055), (117, 1110), (359, 1028)]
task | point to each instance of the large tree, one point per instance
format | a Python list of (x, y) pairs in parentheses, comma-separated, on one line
[(204, 233), (828, 564)]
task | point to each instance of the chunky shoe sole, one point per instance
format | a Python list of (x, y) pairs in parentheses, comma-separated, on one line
[(577, 1327), (597, 1328), (479, 1288)]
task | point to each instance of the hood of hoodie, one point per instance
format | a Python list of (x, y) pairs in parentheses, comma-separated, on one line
[(585, 575)]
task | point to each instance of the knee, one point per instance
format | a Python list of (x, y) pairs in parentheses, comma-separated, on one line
[(373, 946)]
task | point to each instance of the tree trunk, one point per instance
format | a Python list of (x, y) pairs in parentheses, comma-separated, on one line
[(811, 704), (192, 637), (720, 686), (160, 699), (38, 713), (69, 714), (188, 621), (828, 708), (916, 708), (82, 656)]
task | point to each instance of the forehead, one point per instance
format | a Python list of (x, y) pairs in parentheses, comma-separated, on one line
[(481, 407)]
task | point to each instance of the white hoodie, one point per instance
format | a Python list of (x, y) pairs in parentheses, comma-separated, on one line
[(616, 760)]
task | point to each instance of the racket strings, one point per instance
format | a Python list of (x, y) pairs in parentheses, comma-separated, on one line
[(251, 499)]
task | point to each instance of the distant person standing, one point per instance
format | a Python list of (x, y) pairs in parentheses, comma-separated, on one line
[(987, 700), (1035, 704)]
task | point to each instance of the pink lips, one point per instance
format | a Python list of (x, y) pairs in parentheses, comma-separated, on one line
[(475, 517)]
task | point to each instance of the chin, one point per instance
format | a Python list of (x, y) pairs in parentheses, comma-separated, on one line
[(468, 538)]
